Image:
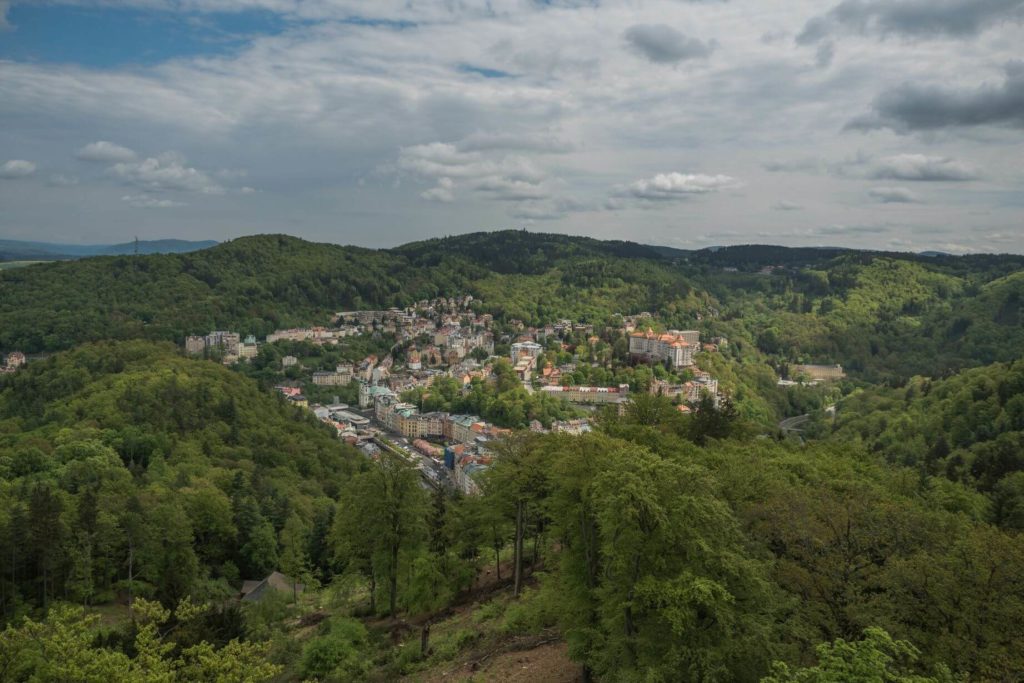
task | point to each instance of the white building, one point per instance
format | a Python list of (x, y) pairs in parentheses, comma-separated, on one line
[(528, 349), (652, 347)]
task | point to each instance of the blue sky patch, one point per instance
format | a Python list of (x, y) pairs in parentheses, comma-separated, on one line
[(483, 71), (111, 38)]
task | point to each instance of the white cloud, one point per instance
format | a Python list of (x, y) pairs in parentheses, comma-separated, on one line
[(144, 201), (63, 180), (166, 172), (486, 170), (893, 195), (547, 209), (668, 186), (920, 167), (444, 192), (507, 189), (17, 168), (570, 113), (106, 152), (535, 142)]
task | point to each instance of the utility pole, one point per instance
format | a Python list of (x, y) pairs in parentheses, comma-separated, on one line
[(136, 245)]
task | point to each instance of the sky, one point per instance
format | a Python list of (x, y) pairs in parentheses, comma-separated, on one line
[(884, 124)]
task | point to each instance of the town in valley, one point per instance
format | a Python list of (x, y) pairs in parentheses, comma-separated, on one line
[(383, 400)]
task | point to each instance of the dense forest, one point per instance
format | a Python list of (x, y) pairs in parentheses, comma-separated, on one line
[(139, 488), (126, 469), (968, 428)]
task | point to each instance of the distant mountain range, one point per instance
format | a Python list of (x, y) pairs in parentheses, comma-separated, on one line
[(18, 250)]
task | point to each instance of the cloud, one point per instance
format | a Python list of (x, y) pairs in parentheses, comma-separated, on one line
[(502, 177), (786, 206), (17, 168), (911, 18), (143, 201), (893, 195), (912, 107), (806, 164), (102, 151), (505, 189), (444, 192), (670, 186), (663, 44), (4, 6), (63, 180), (166, 172), (533, 142), (547, 210), (331, 100), (440, 159), (831, 230), (919, 167)]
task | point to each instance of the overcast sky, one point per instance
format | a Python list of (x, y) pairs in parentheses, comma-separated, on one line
[(895, 124)]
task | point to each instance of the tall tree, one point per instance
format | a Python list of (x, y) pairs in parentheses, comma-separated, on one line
[(382, 515), (294, 558), (518, 482)]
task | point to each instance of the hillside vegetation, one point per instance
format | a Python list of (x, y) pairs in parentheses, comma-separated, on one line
[(126, 469), (885, 317), (968, 428), (140, 488)]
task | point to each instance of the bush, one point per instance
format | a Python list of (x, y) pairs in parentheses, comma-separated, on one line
[(338, 654), (535, 611)]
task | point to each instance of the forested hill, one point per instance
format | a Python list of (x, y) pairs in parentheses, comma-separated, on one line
[(885, 317), (519, 251), (968, 428), (126, 467), (256, 284)]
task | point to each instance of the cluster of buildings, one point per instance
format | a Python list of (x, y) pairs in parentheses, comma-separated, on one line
[(467, 436), (575, 427), (339, 377), (424, 317), (407, 420), (676, 346), (439, 337), (316, 335), (229, 345), (688, 392), (524, 355), (618, 396), (13, 361)]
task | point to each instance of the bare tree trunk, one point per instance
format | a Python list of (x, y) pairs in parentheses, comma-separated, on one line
[(393, 598), (131, 575), (425, 640), (518, 552), (373, 592)]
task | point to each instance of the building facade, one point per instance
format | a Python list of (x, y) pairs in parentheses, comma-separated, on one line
[(673, 345)]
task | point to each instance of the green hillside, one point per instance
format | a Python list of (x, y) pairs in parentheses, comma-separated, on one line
[(968, 428), (125, 467), (885, 317)]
